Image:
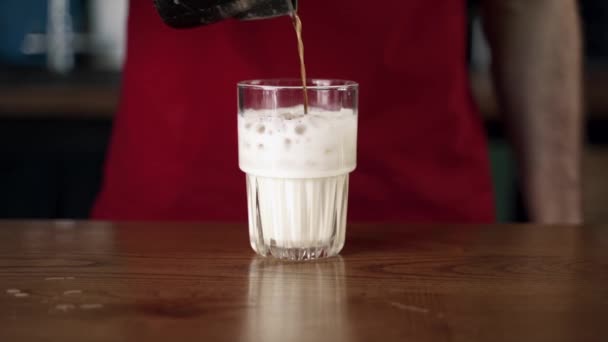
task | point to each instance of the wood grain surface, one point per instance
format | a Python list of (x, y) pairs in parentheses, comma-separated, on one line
[(79, 281)]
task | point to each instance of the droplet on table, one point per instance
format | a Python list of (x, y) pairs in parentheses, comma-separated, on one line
[(91, 306), (65, 307), (72, 292), (59, 278)]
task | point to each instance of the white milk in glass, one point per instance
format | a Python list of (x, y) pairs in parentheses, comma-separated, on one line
[(297, 168)]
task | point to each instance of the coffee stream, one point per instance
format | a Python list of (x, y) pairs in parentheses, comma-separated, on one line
[(297, 24)]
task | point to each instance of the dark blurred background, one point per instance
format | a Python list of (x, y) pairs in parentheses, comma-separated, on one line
[(60, 66)]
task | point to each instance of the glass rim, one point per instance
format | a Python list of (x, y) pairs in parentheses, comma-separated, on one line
[(296, 83)]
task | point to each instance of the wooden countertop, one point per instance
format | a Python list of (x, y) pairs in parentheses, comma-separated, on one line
[(99, 100), (79, 281)]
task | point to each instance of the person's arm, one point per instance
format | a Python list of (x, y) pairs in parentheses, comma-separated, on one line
[(536, 48)]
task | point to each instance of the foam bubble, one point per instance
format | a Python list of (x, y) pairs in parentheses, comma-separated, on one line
[(300, 129)]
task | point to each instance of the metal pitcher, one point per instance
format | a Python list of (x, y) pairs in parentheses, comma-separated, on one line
[(193, 13)]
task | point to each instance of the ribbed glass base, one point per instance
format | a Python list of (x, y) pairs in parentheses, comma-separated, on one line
[(297, 219)]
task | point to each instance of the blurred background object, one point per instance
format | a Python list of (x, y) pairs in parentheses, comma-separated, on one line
[(60, 63), (107, 28), (40, 32), (595, 14), (54, 33)]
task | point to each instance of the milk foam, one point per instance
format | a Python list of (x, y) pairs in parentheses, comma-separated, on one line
[(285, 143)]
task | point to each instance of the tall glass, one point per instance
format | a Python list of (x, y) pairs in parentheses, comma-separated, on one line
[(297, 164)]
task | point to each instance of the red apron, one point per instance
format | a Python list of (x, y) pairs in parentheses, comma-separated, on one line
[(422, 154)]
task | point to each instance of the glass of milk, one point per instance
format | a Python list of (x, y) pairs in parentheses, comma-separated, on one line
[(297, 164)]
